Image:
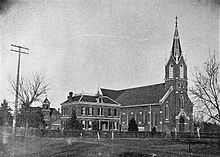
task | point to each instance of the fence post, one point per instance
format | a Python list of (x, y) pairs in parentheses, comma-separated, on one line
[(81, 135), (98, 135), (112, 135), (175, 133), (198, 133)]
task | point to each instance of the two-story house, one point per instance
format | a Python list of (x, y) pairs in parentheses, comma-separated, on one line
[(95, 112)]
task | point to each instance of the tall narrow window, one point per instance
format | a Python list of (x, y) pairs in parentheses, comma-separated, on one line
[(89, 125), (115, 126), (171, 71), (181, 71), (146, 117), (100, 100), (83, 110), (166, 112), (181, 101), (155, 119), (83, 124), (115, 112), (178, 103), (100, 111), (140, 118), (123, 118), (109, 112), (90, 111)]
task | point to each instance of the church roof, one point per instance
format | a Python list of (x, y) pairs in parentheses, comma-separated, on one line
[(137, 96), (114, 94)]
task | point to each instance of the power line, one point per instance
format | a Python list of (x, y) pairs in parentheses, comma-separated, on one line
[(17, 83)]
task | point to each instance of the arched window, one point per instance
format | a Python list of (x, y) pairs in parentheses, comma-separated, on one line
[(178, 103), (166, 112), (171, 71), (155, 119), (181, 71), (181, 101)]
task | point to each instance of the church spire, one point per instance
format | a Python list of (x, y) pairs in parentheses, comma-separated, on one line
[(176, 48)]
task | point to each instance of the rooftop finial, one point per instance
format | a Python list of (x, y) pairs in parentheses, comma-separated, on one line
[(176, 20)]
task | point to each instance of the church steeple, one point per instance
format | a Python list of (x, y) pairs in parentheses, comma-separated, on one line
[(176, 47), (176, 69)]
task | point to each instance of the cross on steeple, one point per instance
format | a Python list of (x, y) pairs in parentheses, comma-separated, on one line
[(176, 20), (176, 47)]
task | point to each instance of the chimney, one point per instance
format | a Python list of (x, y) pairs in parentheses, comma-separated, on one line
[(70, 96)]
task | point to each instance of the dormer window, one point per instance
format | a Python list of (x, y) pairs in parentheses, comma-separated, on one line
[(181, 71), (100, 100), (171, 71)]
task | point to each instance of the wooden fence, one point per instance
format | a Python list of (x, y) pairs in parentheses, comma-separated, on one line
[(104, 134), (94, 134)]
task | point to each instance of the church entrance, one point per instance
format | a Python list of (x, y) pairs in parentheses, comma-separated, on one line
[(181, 124)]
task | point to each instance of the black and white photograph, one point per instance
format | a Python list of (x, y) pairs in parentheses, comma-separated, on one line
[(109, 78)]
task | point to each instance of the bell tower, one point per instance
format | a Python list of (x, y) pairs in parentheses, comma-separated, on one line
[(46, 104), (180, 106), (176, 69), (176, 72), (46, 110)]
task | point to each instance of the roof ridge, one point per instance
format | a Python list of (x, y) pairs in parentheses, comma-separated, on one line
[(143, 86), (119, 90)]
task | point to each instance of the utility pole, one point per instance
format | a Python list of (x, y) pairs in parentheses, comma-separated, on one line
[(17, 83)]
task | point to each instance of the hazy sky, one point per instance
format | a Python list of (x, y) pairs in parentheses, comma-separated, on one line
[(80, 45)]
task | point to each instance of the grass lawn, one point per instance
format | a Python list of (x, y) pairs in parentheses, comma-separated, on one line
[(34, 147)]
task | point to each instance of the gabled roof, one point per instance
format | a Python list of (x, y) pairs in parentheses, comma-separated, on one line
[(91, 98), (114, 94), (46, 100), (137, 96)]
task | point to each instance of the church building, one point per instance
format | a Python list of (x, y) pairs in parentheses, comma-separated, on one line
[(162, 107), (165, 106)]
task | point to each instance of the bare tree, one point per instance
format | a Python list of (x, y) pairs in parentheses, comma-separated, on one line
[(30, 91), (206, 88)]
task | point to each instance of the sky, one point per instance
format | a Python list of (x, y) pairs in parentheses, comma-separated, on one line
[(81, 45)]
